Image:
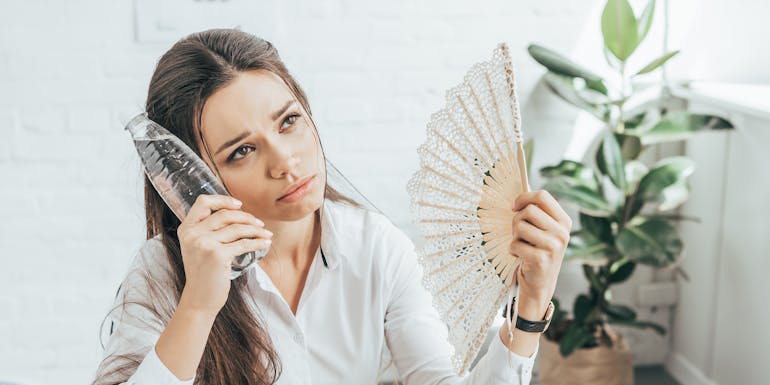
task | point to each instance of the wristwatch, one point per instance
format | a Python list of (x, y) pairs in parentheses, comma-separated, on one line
[(532, 326)]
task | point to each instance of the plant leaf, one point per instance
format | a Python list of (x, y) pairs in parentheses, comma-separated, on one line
[(596, 226), (561, 65), (630, 146), (682, 125), (641, 325), (580, 173), (635, 120), (667, 173), (587, 200), (654, 242), (610, 160), (645, 20), (593, 278), (582, 308), (529, 148), (622, 273), (674, 217), (656, 63), (620, 28), (635, 171), (674, 196), (587, 249), (564, 87), (611, 59), (619, 312), (574, 338)]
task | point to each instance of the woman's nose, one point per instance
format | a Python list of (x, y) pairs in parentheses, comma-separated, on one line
[(285, 162)]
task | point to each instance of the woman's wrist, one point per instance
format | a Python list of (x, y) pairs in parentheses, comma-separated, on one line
[(532, 310), (532, 307), (181, 345), (189, 310)]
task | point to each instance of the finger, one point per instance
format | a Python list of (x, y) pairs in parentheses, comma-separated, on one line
[(206, 204), (234, 232), (540, 239), (525, 251), (224, 217), (247, 245), (545, 201), (536, 216)]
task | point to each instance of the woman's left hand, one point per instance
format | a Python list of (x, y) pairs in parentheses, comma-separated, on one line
[(541, 231)]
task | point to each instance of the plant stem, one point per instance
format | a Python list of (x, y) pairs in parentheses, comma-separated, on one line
[(621, 126)]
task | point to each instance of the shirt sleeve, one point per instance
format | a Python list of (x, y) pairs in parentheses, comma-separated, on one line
[(417, 337), (135, 323)]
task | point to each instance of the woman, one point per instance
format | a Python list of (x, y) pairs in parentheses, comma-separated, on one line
[(339, 283)]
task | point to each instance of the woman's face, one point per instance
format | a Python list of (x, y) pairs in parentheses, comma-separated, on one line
[(263, 142)]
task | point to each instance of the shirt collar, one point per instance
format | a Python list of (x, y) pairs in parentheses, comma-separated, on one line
[(332, 248)]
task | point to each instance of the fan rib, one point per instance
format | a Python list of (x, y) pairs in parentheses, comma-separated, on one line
[(443, 191), (460, 298), (458, 246), (512, 94), (444, 207), (480, 264), (452, 145), (508, 144), (458, 183), (448, 164), (475, 125), (451, 263), (486, 119), (474, 301), (476, 151), (448, 220), (452, 234), (493, 189)]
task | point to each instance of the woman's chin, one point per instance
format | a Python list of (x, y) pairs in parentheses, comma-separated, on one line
[(294, 211)]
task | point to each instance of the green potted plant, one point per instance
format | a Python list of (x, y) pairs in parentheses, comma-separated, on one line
[(626, 208)]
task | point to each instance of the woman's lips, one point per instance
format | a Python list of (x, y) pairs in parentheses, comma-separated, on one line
[(298, 193)]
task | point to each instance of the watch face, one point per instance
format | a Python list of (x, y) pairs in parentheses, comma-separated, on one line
[(548, 315), (549, 312)]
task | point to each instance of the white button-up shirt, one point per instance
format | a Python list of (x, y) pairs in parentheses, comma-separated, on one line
[(363, 293)]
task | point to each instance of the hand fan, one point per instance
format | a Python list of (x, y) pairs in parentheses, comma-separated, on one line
[(472, 169)]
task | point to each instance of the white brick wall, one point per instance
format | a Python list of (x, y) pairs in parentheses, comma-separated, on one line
[(70, 198)]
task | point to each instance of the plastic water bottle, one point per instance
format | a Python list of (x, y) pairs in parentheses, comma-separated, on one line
[(179, 175)]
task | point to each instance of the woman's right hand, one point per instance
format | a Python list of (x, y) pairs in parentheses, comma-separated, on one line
[(213, 233)]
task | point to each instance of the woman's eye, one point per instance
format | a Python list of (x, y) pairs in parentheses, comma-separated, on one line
[(239, 153), (291, 119)]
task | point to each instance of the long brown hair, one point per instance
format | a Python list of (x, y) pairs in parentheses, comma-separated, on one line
[(238, 350)]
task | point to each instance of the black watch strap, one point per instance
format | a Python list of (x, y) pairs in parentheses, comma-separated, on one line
[(530, 326)]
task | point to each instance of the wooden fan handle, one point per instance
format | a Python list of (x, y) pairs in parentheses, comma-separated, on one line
[(522, 166)]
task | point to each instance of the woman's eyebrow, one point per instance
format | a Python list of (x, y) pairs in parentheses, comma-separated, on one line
[(277, 114), (232, 142)]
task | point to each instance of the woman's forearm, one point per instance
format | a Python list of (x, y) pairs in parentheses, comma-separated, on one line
[(180, 346)]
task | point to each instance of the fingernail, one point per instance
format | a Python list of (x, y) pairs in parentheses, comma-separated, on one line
[(237, 202), (268, 241), (270, 233), (258, 222)]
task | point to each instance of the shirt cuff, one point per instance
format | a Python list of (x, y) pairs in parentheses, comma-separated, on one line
[(153, 371), (514, 364)]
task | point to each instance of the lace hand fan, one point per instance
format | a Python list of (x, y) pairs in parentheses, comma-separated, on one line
[(472, 170)]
